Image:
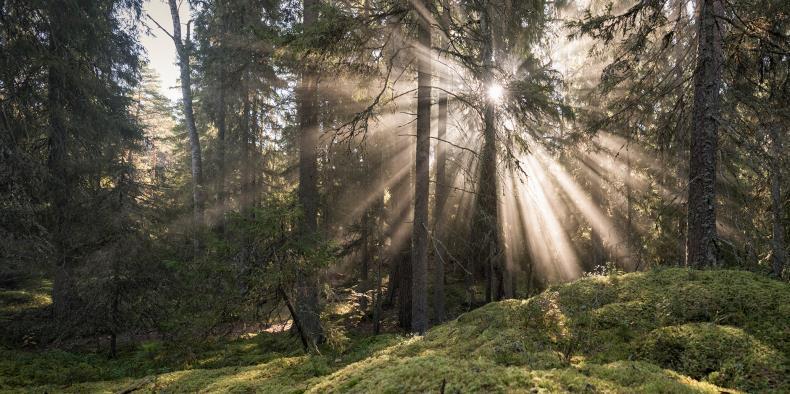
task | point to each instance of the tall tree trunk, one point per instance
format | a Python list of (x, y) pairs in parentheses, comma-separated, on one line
[(442, 187), (183, 51), (403, 254), (221, 132), (486, 221), (678, 179), (778, 251), (364, 268), (405, 278), (421, 180), (632, 262), (307, 302), (702, 249), (57, 166), (397, 214), (377, 301), (245, 200)]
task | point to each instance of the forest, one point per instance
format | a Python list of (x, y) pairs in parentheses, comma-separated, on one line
[(450, 196)]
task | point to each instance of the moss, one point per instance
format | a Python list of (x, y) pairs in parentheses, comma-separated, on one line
[(664, 331), (724, 355), (24, 313), (24, 368), (30, 296), (606, 321), (267, 363)]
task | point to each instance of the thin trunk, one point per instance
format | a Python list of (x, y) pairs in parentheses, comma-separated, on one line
[(394, 214), (220, 121), (245, 200), (307, 302), (442, 188), (778, 251), (405, 295), (421, 183), (57, 166), (221, 131), (702, 249), (364, 268), (254, 155), (631, 262), (377, 301), (183, 49), (403, 253), (297, 321), (677, 153), (393, 282), (599, 255)]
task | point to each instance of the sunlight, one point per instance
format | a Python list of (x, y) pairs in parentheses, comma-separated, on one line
[(496, 92), (393, 196)]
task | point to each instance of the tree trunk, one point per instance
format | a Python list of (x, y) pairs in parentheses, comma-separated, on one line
[(442, 188), (56, 164), (307, 302), (702, 249), (183, 49), (402, 255), (778, 251), (421, 183), (245, 200), (221, 132), (377, 301), (405, 278), (364, 268), (632, 262), (486, 222)]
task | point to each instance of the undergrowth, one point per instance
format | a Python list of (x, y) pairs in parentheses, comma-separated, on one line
[(670, 330)]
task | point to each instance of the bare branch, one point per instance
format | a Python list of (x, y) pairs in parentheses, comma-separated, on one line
[(162, 28)]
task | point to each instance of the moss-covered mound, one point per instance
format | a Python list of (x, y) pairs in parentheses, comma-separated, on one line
[(666, 331), (671, 330)]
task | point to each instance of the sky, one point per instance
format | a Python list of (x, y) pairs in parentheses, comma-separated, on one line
[(161, 52)]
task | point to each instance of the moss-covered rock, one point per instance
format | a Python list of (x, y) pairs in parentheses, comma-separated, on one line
[(664, 331)]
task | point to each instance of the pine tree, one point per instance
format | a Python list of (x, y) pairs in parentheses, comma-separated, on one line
[(421, 181), (702, 248), (307, 302), (183, 46)]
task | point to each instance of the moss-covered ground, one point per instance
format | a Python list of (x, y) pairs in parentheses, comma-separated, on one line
[(664, 331)]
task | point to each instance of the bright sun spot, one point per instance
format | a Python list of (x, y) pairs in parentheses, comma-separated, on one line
[(495, 92)]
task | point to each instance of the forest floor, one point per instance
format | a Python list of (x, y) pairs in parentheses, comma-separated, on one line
[(667, 330)]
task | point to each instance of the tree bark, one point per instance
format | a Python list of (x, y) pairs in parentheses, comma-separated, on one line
[(221, 132), (702, 249), (57, 166), (442, 188), (486, 222), (245, 200), (377, 301), (402, 256), (307, 301), (183, 51), (421, 181), (633, 253), (364, 268)]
